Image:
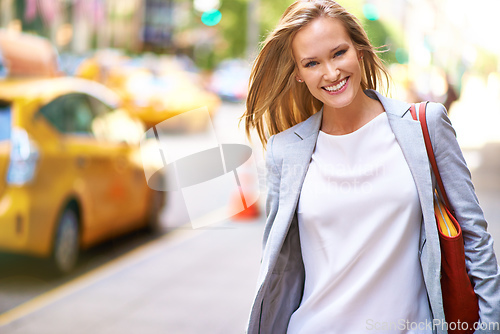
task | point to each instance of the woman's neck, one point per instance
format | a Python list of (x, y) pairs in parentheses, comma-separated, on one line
[(341, 121)]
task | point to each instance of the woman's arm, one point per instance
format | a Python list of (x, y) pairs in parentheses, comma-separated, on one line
[(479, 254)]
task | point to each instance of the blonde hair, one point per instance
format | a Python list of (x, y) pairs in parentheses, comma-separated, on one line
[(275, 100)]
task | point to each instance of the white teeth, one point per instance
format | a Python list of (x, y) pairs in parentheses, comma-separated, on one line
[(336, 87)]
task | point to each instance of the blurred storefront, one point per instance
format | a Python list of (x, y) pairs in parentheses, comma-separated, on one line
[(133, 26), (82, 25)]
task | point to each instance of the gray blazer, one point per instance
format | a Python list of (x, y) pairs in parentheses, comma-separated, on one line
[(281, 278)]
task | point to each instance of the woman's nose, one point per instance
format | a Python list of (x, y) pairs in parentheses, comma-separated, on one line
[(331, 73)]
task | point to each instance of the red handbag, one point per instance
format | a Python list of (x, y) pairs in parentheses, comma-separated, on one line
[(459, 300)]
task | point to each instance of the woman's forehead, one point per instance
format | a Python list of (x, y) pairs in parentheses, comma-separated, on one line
[(321, 34)]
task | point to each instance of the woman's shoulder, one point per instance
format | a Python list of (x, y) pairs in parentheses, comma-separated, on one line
[(297, 132), (277, 142), (288, 133), (436, 115), (435, 110)]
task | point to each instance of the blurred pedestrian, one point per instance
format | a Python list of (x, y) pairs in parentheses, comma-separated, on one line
[(350, 243), (451, 94)]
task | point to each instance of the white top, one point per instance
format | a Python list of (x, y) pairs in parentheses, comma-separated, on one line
[(359, 223)]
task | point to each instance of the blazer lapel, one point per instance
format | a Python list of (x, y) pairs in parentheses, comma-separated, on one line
[(296, 159), (295, 164), (408, 133)]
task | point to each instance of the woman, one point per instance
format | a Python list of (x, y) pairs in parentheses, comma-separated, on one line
[(351, 243)]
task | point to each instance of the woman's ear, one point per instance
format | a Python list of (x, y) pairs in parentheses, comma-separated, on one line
[(299, 79)]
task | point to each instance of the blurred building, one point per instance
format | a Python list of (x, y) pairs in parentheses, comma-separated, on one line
[(443, 40), (82, 25), (437, 41)]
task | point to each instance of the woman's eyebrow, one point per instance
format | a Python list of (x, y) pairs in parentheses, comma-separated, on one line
[(331, 51)]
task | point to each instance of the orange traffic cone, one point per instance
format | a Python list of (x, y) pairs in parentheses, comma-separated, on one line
[(250, 212), (248, 194)]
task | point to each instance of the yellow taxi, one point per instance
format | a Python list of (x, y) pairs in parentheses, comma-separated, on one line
[(153, 89), (71, 172)]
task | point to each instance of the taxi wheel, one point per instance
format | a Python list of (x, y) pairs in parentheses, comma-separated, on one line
[(66, 243)]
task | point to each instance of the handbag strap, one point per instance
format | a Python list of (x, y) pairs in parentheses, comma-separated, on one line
[(428, 146)]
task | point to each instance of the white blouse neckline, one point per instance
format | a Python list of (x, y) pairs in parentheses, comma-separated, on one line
[(360, 130)]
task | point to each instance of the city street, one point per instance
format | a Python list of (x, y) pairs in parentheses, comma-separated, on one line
[(186, 280), (131, 199), (183, 281)]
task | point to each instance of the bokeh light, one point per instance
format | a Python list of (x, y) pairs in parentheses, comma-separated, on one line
[(211, 17)]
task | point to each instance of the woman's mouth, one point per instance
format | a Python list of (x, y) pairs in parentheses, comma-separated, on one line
[(338, 88)]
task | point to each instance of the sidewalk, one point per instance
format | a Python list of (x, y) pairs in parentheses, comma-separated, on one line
[(187, 282)]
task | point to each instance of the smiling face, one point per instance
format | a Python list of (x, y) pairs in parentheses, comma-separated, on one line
[(327, 61)]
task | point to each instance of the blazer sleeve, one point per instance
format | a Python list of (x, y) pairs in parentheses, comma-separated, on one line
[(273, 177), (479, 254)]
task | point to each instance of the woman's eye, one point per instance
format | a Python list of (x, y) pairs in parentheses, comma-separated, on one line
[(311, 63), (340, 53)]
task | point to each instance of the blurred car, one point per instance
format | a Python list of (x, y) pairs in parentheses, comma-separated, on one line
[(154, 89), (230, 80), (70, 167)]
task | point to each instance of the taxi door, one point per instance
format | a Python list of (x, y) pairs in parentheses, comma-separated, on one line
[(82, 155)]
